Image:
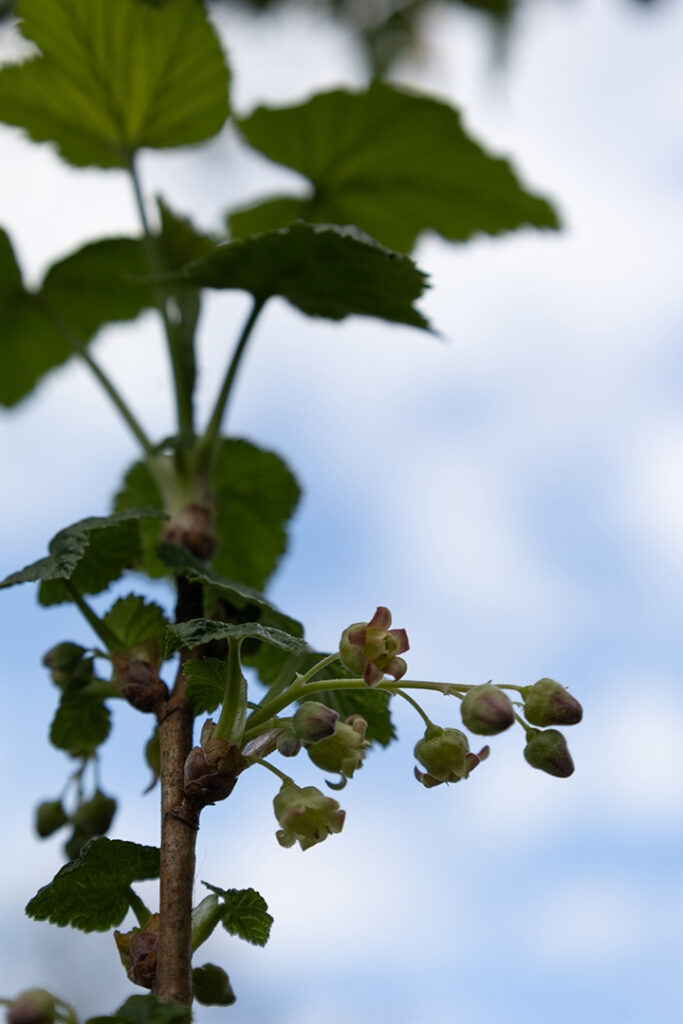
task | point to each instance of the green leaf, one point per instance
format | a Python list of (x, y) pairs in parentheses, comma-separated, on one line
[(114, 77), (81, 723), (146, 1010), (98, 284), (140, 490), (256, 495), (246, 914), (92, 553), (236, 597), (321, 269), (392, 162), (91, 892), (206, 682), (204, 631), (137, 623), (30, 344)]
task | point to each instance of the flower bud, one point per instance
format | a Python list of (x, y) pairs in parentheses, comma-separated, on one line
[(211, 986), (370, 648), (549, 703), (138, 681), (548, 751), (95, 816), (75, 843), (203, 783), (68, 665), (306, 815), (443, 752), (288, 743), (50, 816), (313, 721), (344, 751), (486, 710), (142, 953), (35, 1006)]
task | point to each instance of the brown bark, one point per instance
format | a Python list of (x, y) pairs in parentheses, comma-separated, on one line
[(179, 824)]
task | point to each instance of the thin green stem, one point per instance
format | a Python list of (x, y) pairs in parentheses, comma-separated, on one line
[(527, 728), (79, 348), (300, 680), (183, 391), (274, 770), (141, 912), (106, 635), (425, 718), (230, 725), (211, 437), (298, 688)]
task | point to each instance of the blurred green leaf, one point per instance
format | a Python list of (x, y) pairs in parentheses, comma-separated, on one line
[(146, 1010), (114, 77), (91, 892), (92, 553), (322, 269), (390, 161)]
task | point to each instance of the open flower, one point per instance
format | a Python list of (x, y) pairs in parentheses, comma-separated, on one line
[(371, 649), (306, 814)]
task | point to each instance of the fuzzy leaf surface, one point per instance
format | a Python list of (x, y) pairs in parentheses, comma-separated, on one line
[(111, 78), (90, 893), (206, 681), (246, 914), (321, 269), (137, 622), (92, 552), (392, 162), (197, 632)]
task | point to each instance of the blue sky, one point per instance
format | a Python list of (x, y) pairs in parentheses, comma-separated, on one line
[(533, 525)]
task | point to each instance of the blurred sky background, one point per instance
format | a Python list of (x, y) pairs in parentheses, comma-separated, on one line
[(513, 492)]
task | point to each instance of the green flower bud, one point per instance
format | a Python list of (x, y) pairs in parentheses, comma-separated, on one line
[(35, 1006), (306, 815), (75, 843), (549, 703), (313, 721), (548, 751), (344, 751), (211, 986), (68, 665), (50, 816), (95, 816), (443, 752), (486, 710)]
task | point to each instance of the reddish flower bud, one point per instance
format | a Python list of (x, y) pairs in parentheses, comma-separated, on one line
[(313, 721), (371, 649), (138, 681), (35, 1006), (549, 703), (306, 815), (548, 751), (142, 953), (204, 784), (486, 710), (288, 743)]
